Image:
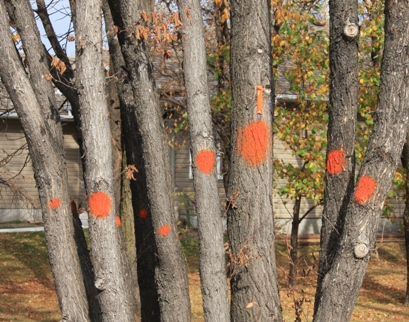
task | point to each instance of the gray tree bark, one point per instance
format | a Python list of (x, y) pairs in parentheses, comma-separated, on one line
[(344, 87), (34, 101), (170, 271), (115, 302), (209, 216), (254, 285), (341, 284), (144, 241)]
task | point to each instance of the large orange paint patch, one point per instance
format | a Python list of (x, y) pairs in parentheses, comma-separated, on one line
[(164, 230), (54, 203), (205, 161), (365, 189), (253, 142), (335, 162), (99, 204)]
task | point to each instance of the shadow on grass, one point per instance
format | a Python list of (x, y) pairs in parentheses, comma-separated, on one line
[(392, 255), (382, 293), (30, 250)]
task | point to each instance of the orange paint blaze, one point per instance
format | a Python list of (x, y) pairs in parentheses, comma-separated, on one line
[(54, 203), (143, 213), (99, 204), (365, 189), (259, 90), (253, 142), (335, 162), (164, 230), (205, 161), (118, 221)]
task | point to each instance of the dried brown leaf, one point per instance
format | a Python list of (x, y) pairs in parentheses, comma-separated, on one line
[(130, 171), (58, 64)]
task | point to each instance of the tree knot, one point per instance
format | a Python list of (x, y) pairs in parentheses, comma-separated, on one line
[(351, 29)]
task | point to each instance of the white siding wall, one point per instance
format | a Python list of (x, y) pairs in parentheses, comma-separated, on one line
[(13, 206)]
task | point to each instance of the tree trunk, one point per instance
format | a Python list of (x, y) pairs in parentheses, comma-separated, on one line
[(41, 124), (105, 246), (170, 271), (207, 204), (254, 285), (340, 286), (405, 162), (146, 259), (339, 178), (295, 224)]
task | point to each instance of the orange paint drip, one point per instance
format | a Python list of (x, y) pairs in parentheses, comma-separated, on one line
[(253, 142), (365, 189), (54, 203), (99, 204), (118, 220), (259, 90), (143, 213), (335, 162), (205, 161), (164, 230)]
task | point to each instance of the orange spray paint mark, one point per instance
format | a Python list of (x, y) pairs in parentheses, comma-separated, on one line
[(253, 142), (143, 213), (365, 189), (164, 230), (259, 90), (205, 160), (335, 161), (99, 204), (54, 203), (118, 220)]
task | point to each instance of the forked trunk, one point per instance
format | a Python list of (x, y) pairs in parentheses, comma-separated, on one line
[(340, 285)]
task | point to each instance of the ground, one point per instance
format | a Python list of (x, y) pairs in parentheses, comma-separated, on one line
[(27, 293)]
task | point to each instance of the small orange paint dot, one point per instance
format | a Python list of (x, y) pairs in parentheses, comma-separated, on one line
[(118, 221), (164, 230), (365, 189), (253, 142), (54, 203), (143, 213), (335, 161), (205, 160), (99, 204)]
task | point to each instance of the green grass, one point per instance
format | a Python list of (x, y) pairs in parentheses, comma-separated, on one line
[(191, 249)]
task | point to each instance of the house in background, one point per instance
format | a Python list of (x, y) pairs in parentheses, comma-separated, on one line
[(18, 192)]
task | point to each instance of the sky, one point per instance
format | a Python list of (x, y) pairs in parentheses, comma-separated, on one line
[(60, 17)]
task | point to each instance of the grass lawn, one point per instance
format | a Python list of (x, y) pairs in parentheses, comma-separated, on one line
[(27, 292)]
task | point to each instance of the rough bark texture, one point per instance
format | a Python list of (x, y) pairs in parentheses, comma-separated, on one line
[(341, 284), (121, 94), (106, 253), (405, 162), (146, 259), (341, 129), (254, 286), (41, 124), (209, 216), (170, 271)]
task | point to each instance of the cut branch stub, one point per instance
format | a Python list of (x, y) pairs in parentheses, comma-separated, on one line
[(351, 30), (361, 250)]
